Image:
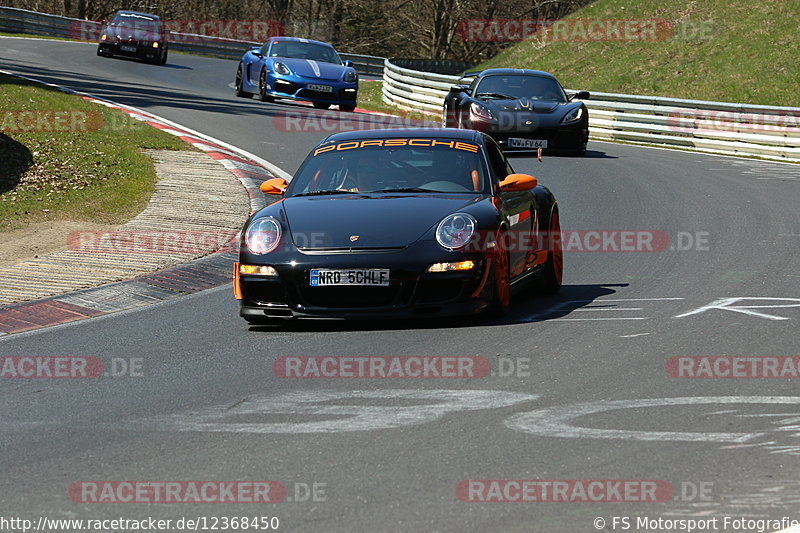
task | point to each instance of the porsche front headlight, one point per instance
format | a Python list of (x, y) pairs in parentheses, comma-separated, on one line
[(281, 69), (456, 230), (350, 76), (263, 235), (573, 116)]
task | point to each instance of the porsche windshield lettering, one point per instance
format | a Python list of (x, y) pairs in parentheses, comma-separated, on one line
[(398, 165), (391, 143)]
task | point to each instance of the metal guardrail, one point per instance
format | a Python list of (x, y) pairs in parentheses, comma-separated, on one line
[(716, 127), (14, 20)]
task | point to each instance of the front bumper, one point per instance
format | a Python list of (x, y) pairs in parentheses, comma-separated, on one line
[(411, 293), (142, 50), (560, 138), (296, 88)]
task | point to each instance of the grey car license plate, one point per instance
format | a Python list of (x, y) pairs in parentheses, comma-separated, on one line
[(126, 48)]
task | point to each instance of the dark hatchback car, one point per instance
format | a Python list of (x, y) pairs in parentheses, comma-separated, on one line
[(134, 34), (398, 223), (521, 109)]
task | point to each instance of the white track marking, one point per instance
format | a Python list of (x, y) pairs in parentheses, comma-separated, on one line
[(558, 421), (726, 304), (431, 406)]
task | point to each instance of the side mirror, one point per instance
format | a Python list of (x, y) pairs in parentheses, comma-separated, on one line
[(518, 182), (459, 88), (274, 186), (349, 63), (581, 95)]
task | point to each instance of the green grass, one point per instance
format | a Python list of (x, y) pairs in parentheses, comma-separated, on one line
[(88, 165), (725, 50), (369, 98)]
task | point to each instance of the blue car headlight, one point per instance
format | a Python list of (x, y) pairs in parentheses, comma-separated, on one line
[(263, 235), (456, 230), (281, 69), (573, 116), (350, 76)]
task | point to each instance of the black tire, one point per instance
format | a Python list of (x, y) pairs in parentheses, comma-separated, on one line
[(501, 278), (549, 282), (162, 59), (238, 89), (347, 107), (262, 88), (319, 105)]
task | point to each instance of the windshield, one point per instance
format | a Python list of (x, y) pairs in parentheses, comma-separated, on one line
[(427, 165), (301, 50), (136, 27), (520, 86)]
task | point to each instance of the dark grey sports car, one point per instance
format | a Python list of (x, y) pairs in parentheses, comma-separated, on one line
[(521, 109)]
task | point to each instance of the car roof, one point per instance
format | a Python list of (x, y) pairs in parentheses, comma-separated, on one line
[(299, 39), (500, 71), (137, 14), (402, 133)]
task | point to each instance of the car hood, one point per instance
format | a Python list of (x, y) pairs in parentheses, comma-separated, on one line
[(522, 104), (312, 69), (130, 34), (379, 221)]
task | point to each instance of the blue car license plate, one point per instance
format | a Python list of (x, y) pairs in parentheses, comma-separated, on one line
[(371, 277)]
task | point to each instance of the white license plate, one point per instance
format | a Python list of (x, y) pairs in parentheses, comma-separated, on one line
[(371, 277), (515, 142), (320, 88), (127, 48)]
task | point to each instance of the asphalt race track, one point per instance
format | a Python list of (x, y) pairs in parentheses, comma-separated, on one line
[(207, 405)]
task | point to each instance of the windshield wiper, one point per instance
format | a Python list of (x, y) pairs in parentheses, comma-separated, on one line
[(497, 95), (403, 189), (321, 193)]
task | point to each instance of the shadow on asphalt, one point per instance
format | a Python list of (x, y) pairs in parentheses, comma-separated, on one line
[(525, 308)]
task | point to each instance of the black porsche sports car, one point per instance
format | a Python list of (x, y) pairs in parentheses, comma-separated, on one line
[(521, 109), (134, 34), (398, 223)]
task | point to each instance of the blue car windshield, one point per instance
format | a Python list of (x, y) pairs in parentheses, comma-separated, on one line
[(521, 86), (392, 165), (301, 50)]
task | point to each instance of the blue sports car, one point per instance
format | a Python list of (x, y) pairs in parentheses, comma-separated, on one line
[(300, 69)]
